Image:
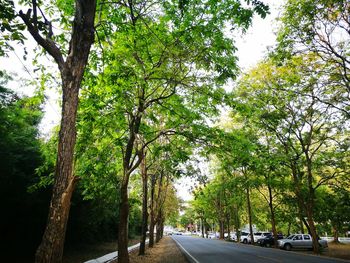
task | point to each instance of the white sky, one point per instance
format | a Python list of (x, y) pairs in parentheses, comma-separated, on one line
[(253, 45), (251, 48)]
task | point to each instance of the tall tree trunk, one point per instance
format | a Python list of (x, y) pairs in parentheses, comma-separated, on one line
[(310, 205), (228, 227), (306, 224), (123, 254), (152, 214), (159, 230), (151, 231), (222, 228), (206, 228), (72, 70), (162, 228), (51, 247), (161, 195), (301, 220), (237, 223), (144, 206), (202, 227), (313, 232), (335, 233), (128, 167), (272, 213), (250, 216)]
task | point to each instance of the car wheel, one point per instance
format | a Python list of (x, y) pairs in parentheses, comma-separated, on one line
[(287, 247), (245, 241), (268, 245)]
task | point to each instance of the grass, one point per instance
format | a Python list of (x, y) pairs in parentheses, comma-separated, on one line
[(339, 250)]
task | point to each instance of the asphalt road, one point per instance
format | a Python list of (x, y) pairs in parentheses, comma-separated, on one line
[(200, 250)]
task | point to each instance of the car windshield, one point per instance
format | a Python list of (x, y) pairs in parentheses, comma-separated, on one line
[(291, 237)]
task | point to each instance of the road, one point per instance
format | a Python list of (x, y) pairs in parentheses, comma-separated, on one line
[(202, 250)]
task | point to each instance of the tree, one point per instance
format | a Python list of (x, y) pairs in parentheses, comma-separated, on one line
[(23, 211), (322, 28), (72, 70), (163, 59), (286, 104), (10, 30)]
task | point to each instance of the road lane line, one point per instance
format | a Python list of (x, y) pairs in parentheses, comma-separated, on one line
[(272, 259), (184, 250)]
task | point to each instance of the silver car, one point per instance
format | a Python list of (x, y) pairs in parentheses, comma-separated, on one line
[(299, 241)]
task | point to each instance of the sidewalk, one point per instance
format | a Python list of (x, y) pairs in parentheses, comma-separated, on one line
[(166, 251), (112, 256)]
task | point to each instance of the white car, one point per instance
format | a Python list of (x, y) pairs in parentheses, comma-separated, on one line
[(246, 239), (232, 236), (299, 241)]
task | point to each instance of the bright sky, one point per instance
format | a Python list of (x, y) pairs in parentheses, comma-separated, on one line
[(253, 45), (251, 48)]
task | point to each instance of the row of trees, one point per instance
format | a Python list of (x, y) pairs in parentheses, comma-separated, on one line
[(26, 196), (145, 90), (289, 131)]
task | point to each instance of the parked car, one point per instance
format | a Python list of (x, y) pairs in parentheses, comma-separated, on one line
[(268, 240), (299, 241), (257, 235), (232, 236), (176, 232), (244, 238)]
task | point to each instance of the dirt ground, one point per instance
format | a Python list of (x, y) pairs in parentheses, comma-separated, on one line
[(166, 251), (338, 251)]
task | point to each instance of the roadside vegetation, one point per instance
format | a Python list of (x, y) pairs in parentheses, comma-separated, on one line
[(282, 163), (144, 85)]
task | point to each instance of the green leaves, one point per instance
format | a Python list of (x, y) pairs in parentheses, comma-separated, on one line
[(11, 29)]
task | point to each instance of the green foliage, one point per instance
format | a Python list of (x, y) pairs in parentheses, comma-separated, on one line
[(322, 28), (10, 29), (24, 213)]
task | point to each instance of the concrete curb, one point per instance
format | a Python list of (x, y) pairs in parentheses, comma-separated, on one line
[(112, 256)]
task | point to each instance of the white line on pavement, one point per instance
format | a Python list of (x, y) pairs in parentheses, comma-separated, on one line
[(194, 260)]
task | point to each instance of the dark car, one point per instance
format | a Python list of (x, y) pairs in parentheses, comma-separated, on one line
[(268, 241)]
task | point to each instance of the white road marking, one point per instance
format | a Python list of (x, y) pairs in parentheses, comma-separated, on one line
[(195, 260)]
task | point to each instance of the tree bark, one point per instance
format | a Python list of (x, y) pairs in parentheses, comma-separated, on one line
[(310, 204), (306, 225), (206, 228), (161, 195), (228, 227), (222, 228), (250, 216), (272, 213), (159, 229), (128, 168), (301, 225), (335, 234), (144, 176), (152, 216), (202, 227), (72, 71), (123, 254), (237, 224), (313, 232)]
